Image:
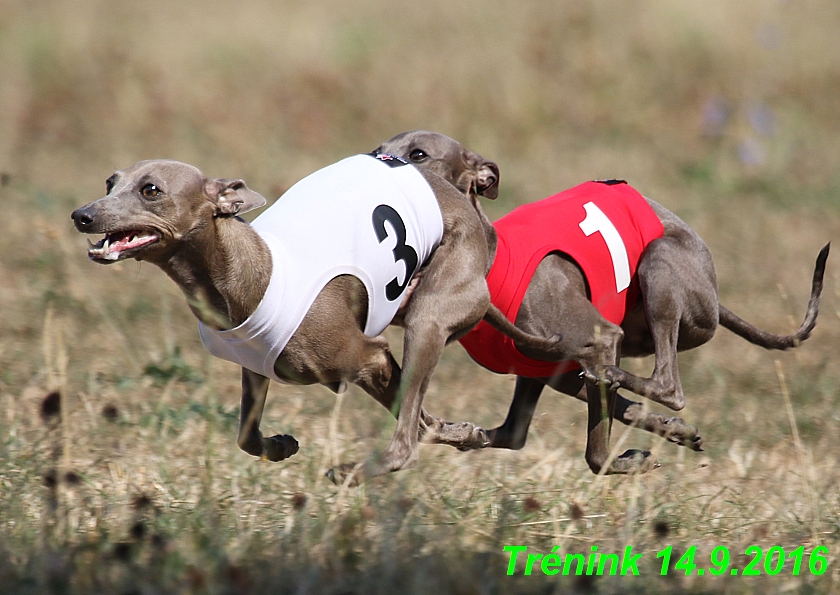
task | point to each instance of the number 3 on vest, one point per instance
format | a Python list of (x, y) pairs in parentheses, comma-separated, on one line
[(597, 221), (402, 251)]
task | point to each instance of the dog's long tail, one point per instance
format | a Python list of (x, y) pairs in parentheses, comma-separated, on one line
[(550, 346), (767, 340)]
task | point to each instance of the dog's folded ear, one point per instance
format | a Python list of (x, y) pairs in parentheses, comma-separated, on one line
[(482, 175), (487, 182), (232, 197)]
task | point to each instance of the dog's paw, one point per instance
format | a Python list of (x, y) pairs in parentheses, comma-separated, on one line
[(675, 430), (279, 447), (340, 474), (503, 437), (463, 435), (602, 376), (475, 438), (696, 442), (633, 461)]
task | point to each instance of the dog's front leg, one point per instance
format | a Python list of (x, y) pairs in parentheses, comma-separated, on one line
[(251, 440), (601, 403), (598, 427), (513, 432), (601, 407)]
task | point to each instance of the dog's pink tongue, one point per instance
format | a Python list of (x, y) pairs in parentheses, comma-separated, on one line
[(121, 242)]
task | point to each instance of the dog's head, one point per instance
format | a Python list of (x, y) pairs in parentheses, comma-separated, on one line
[(153, 206), (446, 157)]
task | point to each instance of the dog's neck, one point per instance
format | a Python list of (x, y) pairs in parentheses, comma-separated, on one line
[(490, 234), (223, 269)]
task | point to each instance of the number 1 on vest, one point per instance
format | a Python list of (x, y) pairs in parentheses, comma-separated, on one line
[(597, 221)]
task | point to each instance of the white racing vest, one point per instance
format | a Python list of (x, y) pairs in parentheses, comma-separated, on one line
[(373, 217)]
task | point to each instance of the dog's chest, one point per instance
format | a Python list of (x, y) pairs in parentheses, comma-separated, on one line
[(358, 217)]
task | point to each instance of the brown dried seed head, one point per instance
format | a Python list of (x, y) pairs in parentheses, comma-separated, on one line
[(138, 530), (531, 504), (51, 406), (122, 551), (405, 504), (110, 412), (298, 500), (196, 578), (51, 479), (577, 511), (159, 541), (585, 583), (141, 501)]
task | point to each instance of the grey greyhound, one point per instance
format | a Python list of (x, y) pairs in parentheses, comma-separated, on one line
[(677, 309), (171, 215)]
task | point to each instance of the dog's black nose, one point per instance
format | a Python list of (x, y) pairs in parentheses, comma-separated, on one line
[(83, 218)]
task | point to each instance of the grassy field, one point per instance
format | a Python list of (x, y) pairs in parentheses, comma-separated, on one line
[(119, 471)]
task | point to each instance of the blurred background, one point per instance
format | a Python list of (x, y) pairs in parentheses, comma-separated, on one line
[(118, 463)]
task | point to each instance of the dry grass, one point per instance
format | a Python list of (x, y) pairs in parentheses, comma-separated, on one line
[(726, 112)]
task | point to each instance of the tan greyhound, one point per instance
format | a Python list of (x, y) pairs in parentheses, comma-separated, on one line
[(677, 309), (168, 213)]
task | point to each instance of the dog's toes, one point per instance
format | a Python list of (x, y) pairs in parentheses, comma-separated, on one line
[(279, 447), (693, 439), (601, 375), (675, 430), (476, 440), (591, 375), (697, 443), (463, 435), (634, 461)]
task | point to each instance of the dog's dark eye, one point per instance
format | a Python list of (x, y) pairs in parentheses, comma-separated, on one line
[(150, 191), (418, 155), (109, 185)]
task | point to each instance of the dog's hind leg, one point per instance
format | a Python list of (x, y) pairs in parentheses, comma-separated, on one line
[(679, 293), (672, 429), (380, 377), (513, 433), (450, 279)]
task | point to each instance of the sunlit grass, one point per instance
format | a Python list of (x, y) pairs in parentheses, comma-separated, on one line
[(724, 113)]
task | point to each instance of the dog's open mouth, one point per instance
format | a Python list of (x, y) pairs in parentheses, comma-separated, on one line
[(117, 244)]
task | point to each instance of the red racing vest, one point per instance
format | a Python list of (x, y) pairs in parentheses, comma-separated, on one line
[(603, 226)]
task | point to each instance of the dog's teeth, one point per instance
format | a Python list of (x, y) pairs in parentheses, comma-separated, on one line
[(91, 245)]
